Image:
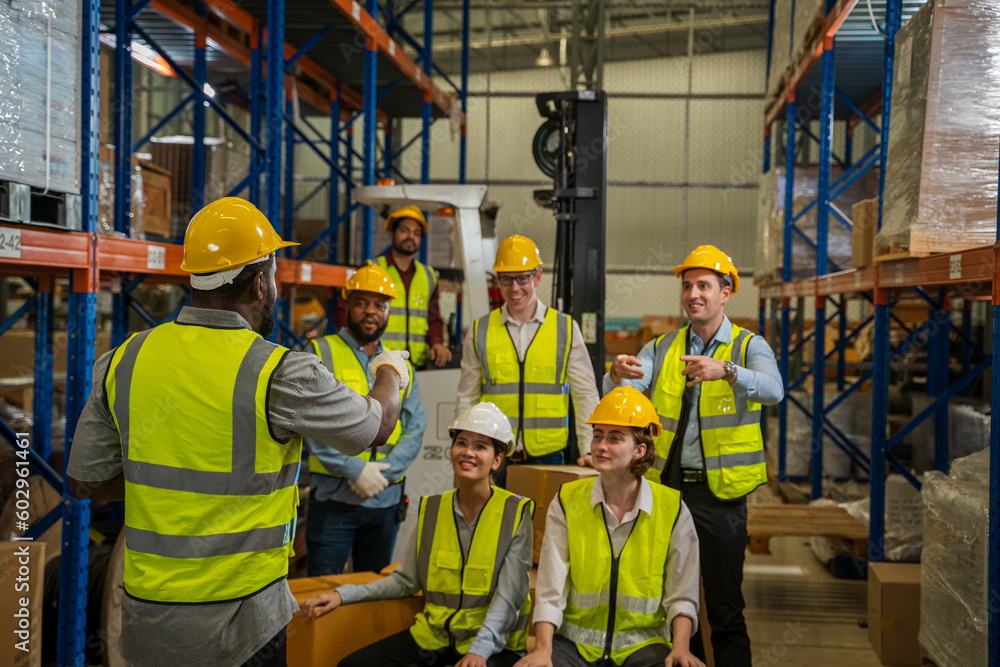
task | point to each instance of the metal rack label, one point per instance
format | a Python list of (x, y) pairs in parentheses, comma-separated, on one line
[(306, 273), (10, 242), (955, 267), (156, 258)]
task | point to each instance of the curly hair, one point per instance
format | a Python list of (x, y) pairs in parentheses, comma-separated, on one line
[(641, 465)]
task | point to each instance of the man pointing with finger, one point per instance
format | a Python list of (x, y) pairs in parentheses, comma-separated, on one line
[(708, 382)]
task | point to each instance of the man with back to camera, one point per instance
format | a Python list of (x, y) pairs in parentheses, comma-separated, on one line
[(415, 321), (197, 425), (528, 358), (708, 382), (356, 502)]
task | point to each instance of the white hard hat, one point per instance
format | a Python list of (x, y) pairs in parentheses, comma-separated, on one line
[(485, 419)]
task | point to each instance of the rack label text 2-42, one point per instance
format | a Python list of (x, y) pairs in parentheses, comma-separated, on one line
[(10, 242)]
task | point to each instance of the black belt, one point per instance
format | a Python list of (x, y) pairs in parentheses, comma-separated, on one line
[(691, 475)]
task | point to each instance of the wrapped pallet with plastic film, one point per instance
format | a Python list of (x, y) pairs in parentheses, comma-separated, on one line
[(941, 183), (781, 36), (39, 77), (953, 596)]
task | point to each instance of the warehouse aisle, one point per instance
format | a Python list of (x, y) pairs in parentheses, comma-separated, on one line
[(798, 614)]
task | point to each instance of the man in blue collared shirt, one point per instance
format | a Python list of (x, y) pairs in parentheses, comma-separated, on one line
[(707, 353), (354, 499)]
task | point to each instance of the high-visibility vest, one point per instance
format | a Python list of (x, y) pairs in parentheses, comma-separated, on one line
[(731, 442), (458, 588), (533, 393), (210, 493), (408, 325), (339, 359), (622, 594)]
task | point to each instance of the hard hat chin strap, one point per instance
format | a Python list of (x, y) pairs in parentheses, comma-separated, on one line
[(216, 280)]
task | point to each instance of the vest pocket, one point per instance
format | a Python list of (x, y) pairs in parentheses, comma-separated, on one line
[(449, 566), (477, 580)]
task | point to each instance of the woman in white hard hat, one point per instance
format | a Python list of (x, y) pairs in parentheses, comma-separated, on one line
[(470, 555), (618, 571)]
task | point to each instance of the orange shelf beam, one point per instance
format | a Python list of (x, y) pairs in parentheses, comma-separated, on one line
[(294, 272), (133, 256)]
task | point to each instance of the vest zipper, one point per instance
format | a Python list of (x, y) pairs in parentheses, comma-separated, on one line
[(613, 592), (520, 391), (461, 578)]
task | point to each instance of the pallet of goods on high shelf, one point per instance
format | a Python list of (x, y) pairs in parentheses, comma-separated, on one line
[(968, 430), (771, 221), (941, 183), (954, 604), (865, 219), (795, 22), (852, 417), (150, 191)]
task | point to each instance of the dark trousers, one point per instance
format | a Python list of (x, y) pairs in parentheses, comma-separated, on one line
[(565, 654), (337, 530), (553, 459), (272, 654), (401, 650), (722, 534)]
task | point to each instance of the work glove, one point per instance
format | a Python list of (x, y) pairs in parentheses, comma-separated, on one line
[(371, 481), (397, 360)]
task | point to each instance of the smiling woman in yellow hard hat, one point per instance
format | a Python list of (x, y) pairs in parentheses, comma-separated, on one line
[(708, 382), (197, 425), (470, 555), (618, 571)]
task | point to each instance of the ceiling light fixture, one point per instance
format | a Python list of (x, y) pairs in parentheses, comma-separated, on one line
[(544, 59)]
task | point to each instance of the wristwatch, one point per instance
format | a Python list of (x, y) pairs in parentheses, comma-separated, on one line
[(730, 369)]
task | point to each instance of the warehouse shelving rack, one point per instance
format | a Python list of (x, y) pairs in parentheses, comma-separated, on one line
[(942, 281), (218, 40)]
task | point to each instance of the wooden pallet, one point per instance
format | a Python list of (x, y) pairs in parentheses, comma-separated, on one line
[(767, 521)]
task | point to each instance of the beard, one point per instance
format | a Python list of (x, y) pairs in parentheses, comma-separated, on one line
[(403, 250), (361, 336), (267, 315)]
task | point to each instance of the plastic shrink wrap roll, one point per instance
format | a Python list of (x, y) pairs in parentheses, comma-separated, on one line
[(953, 597), (941, 183)]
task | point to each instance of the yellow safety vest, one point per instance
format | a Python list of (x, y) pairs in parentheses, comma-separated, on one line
[(339, 359), (408, 325), (627, 589), (458, 588), (731, 442), (210, 493), (533, 393)]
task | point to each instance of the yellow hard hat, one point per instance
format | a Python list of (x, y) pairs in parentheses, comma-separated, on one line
[(227, 233), (517, 253), (370, 278), (711, 258), (626, 406), (411, 212)]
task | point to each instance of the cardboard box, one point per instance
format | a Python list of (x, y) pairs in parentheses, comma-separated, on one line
[(541, 483), (21, 602), (17, 352), (327, 640), (894, 612), (156, 192), (865, 217)]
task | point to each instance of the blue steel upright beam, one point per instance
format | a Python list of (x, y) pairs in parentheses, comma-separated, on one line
[(426, 108), (387, 150), (257, 100), (463, 94), (966, 348), (786, 276), (993, 571), (123, 157), (275, 101), (880, 414), (333, 200), (893, 21), (81, 332), (42, 406), (198, 116), (368, 151), (938, 377), (841, 343), (289, 199)]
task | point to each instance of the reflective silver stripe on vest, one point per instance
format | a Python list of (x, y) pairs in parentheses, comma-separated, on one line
[(668, 423), (400, 336), (734, 460), (621, 640), (737, 352), (418, 312), (659, 357), (206, 546), (123, 385), (432, 281), (546, 388), (630, 603), (482, 326), (659, 463), (325, 353), (245, 405), (460, 600), (539, 422), (562, 342), (210, 483), (742, 417)]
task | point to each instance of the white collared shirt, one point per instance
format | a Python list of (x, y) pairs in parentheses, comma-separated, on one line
[(582, 382), (680, 580)]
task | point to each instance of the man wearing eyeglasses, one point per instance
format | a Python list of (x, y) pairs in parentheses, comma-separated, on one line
[(356, 502), (528, 359)]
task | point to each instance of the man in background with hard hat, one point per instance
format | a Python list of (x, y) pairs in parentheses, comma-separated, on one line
[(197, 425), (415, 321), (708, 382), (528, 359), (356, 503)]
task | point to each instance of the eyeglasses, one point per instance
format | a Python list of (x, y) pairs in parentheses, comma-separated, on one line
[(522, 280)]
